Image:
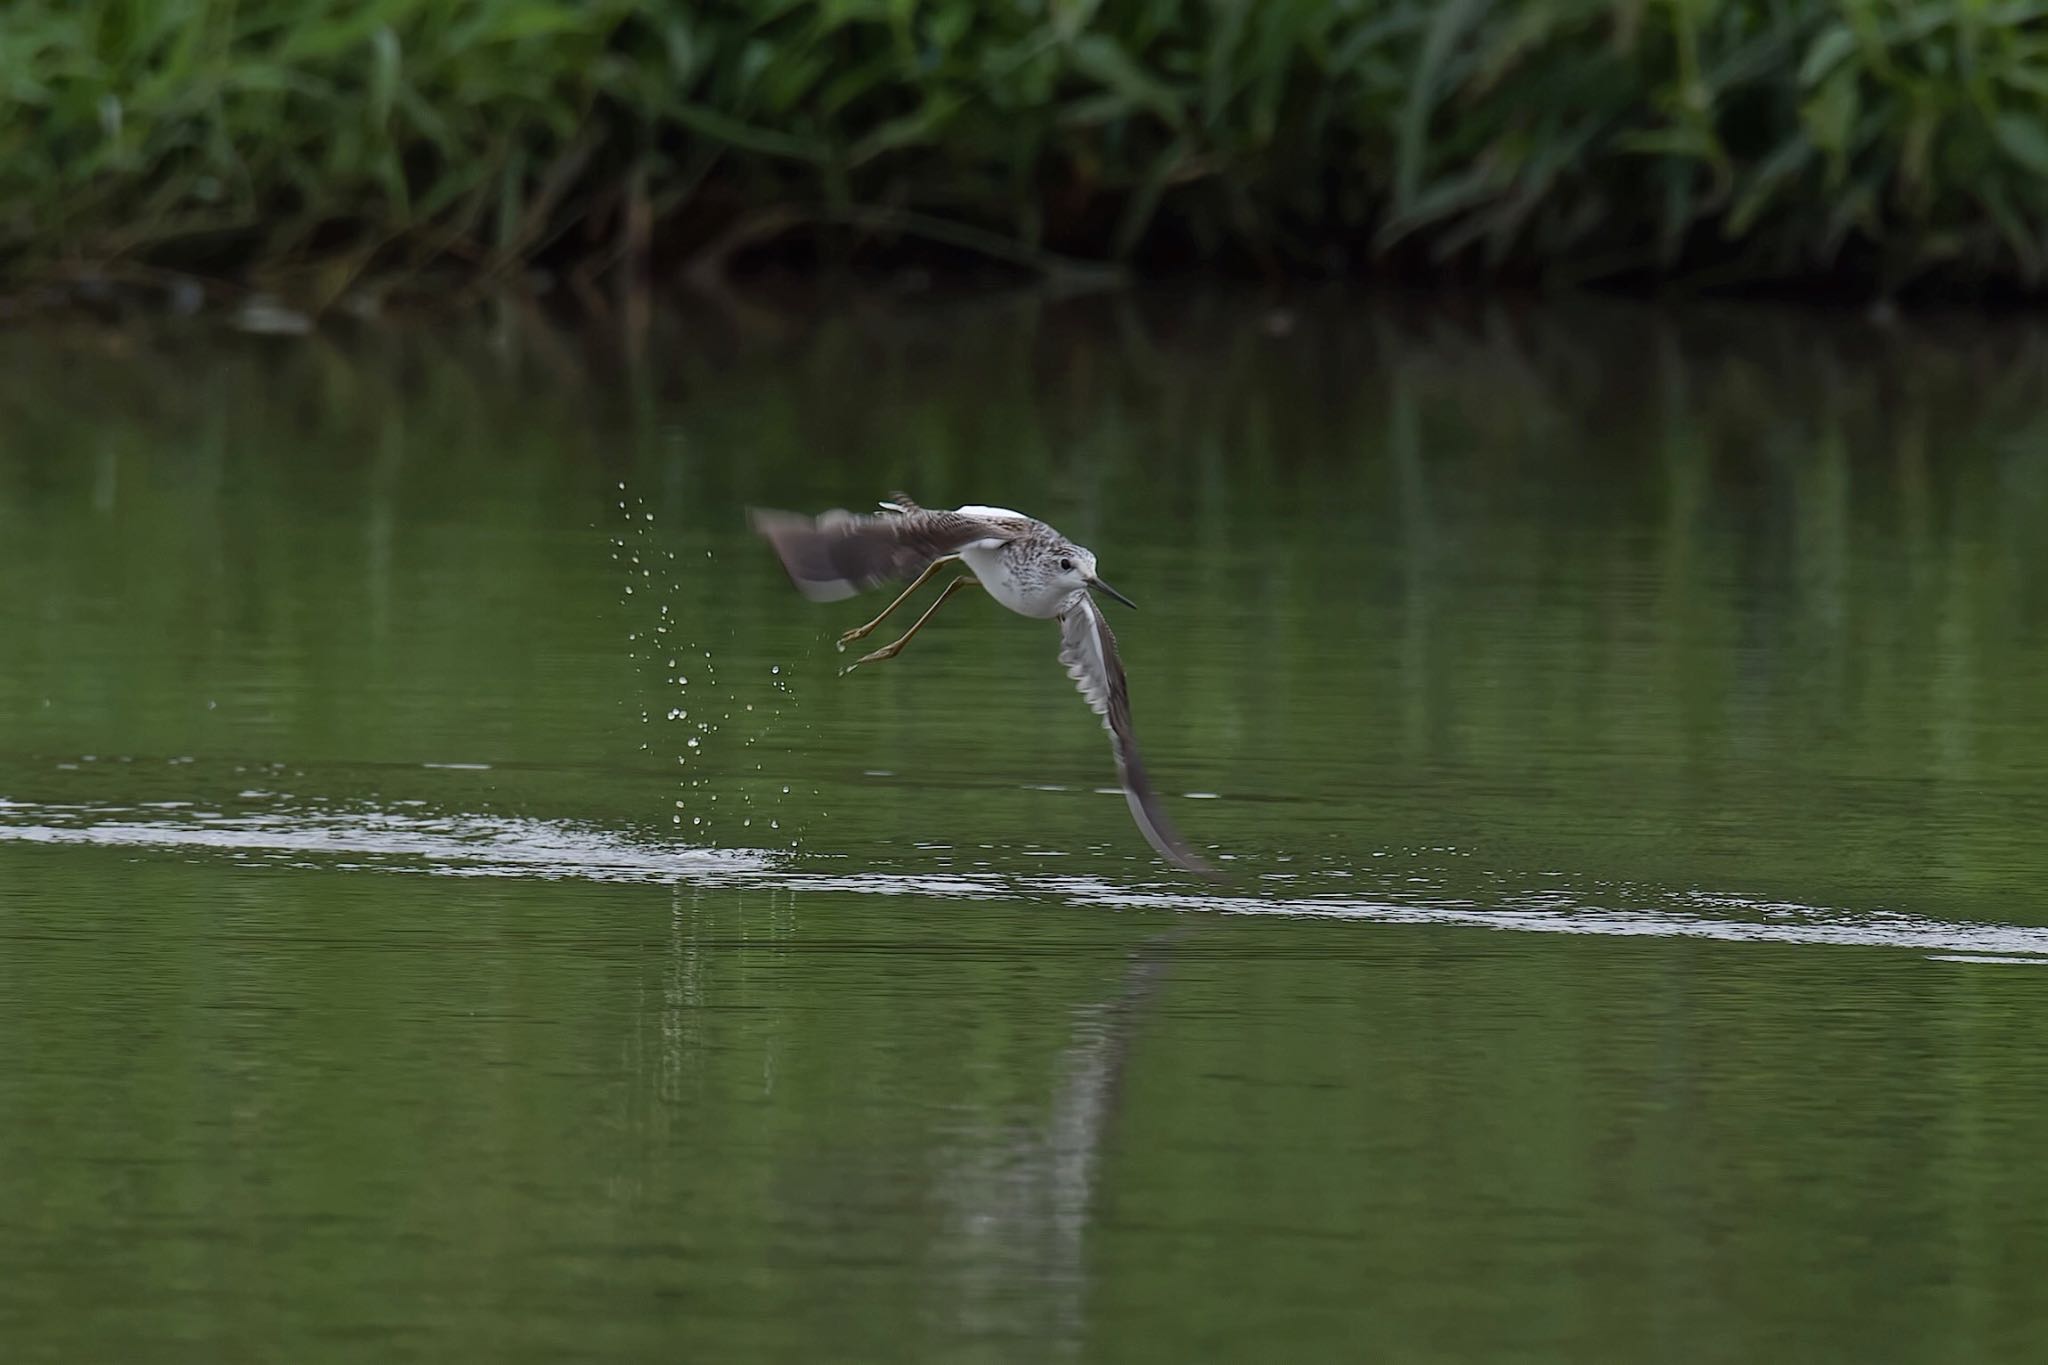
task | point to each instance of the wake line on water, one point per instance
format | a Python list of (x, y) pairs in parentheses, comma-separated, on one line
[(461, 845)]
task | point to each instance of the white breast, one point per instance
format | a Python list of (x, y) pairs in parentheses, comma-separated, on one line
[(992, 567)]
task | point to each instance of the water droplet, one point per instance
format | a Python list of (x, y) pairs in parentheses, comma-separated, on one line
[(775, 668), (694, 741)]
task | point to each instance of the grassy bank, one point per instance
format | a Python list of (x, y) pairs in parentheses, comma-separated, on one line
[(321, 145)]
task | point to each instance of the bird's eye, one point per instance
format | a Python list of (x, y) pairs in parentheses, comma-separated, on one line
[(1067, 564)]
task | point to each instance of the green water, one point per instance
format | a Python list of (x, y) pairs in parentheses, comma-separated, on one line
[(1625, 735)]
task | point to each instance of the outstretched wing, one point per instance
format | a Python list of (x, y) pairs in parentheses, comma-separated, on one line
[(842, 553), (1088, 649)]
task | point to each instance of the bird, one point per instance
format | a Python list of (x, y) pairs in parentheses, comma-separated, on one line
[(1023, 563)]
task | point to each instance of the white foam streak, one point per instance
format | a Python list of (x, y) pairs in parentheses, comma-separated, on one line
[(467, 845)]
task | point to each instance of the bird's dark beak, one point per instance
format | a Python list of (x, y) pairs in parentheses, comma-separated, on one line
[(1098, 583)]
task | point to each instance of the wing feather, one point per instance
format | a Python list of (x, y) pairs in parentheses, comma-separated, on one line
[(841, 553), (1088, 649)]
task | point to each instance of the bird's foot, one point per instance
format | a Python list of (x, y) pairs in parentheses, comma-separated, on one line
[(858, 632), (885, 652)]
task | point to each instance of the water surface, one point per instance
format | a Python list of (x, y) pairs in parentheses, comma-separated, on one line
[(451, 906)]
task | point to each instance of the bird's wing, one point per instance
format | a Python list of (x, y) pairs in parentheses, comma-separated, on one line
[(1088, 649), (841, 553)]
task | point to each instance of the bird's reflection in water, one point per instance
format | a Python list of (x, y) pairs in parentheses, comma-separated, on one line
[(1017, 1197)]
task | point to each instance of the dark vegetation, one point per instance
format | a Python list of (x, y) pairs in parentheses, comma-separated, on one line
[(338, 150)]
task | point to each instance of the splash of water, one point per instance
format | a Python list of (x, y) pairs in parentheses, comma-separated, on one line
[(690, 689)]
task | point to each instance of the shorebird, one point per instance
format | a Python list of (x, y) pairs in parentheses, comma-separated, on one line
[(1025, 564)]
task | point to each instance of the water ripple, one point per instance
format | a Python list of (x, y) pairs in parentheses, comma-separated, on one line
[(476, 845)]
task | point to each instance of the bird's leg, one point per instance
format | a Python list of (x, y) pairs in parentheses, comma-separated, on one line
[(890, 651), (859, 631)]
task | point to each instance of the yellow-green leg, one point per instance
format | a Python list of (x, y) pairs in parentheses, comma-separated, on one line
[(858, 632), (890, 651)]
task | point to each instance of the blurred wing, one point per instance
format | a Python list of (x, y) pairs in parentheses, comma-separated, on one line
[(1088, 649), (839, 554)]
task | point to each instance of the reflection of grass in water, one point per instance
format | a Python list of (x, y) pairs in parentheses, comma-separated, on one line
[(322, 137), (1735, 603)]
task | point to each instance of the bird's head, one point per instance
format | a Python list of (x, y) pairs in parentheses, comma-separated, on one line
[(1075, 568)]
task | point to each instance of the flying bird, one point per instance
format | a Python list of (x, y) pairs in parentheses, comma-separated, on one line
[(1023, 563)]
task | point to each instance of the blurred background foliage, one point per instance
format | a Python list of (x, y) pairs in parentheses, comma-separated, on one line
[(323, 144)]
